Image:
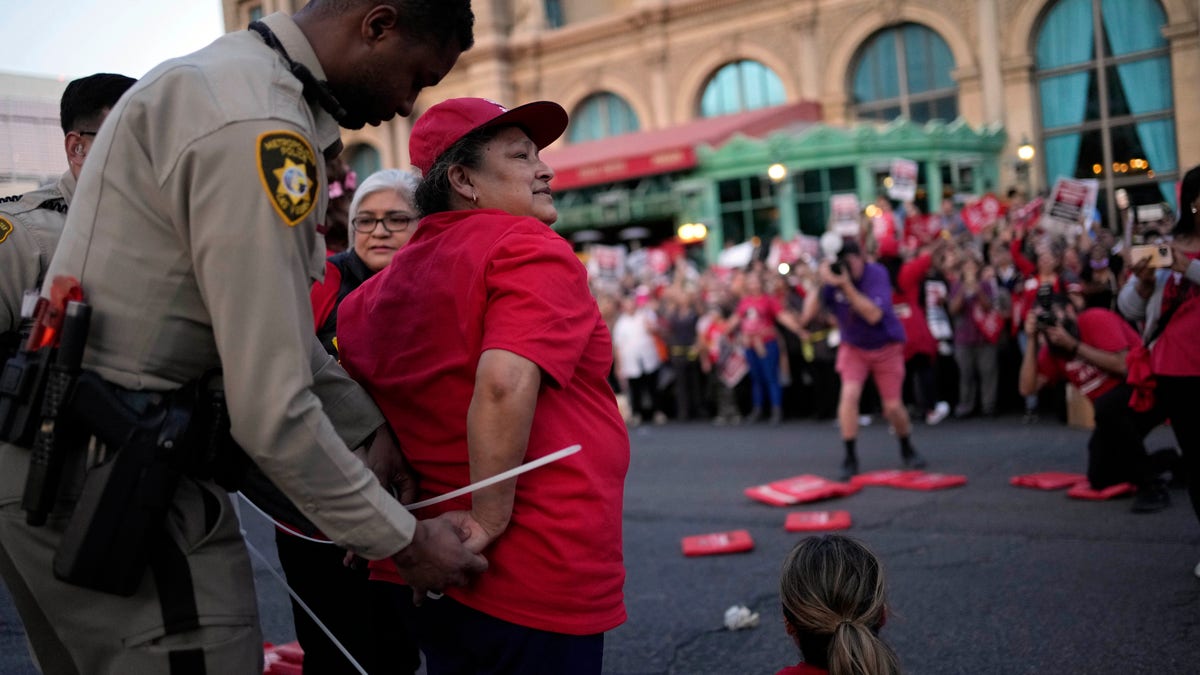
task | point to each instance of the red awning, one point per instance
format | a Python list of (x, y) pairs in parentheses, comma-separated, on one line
[(646, 153)]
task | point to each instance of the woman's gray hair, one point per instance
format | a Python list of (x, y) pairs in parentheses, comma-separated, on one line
[(403, 183)]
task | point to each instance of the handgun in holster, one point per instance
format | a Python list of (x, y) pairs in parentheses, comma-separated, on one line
[(121, 512)]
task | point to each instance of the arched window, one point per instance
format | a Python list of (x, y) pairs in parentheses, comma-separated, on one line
[(1103, 76), (600, 116), (363, 160), (739, 86), (905, 70)]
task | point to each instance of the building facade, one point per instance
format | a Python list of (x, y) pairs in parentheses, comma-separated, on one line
[(31, 138), (1097, 88)]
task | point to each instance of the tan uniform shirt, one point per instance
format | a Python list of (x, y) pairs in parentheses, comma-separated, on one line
[(193, 233), (28, 236)]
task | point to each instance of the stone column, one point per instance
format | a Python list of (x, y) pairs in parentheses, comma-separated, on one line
[(1184, 39), (989, 63)]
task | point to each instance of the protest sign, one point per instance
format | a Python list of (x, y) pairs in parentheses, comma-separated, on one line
[(903, 186), (843, 214)]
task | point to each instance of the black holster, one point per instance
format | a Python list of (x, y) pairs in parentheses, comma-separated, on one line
[(121, 512)]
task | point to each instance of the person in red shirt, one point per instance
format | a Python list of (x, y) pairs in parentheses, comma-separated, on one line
[(834, 605), (1089, 349), (1167, 302), (920, 347), (755, 316), (484, 349)]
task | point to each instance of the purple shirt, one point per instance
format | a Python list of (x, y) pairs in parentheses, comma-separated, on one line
[(854, 329)]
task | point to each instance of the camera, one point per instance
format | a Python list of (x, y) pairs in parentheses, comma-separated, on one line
[(835, 267), (1045, 307)]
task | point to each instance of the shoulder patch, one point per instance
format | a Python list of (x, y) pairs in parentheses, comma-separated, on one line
[(6, 228), (287, 167)]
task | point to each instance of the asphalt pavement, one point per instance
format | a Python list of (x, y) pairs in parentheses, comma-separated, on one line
[(984, 578)]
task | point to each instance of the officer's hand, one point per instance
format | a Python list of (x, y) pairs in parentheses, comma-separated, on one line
[(437, 556)]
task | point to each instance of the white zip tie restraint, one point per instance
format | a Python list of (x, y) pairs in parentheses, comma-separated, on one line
[(503, 476), (295, 596), (513, 472)]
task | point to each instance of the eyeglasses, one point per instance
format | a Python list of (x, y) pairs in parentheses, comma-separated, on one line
[(392, 222)]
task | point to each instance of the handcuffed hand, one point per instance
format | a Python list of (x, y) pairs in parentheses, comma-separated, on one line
[(385, 459), (480, 531), (439, 556)]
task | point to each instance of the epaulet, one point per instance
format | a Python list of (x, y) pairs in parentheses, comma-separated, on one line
[(57, 204)]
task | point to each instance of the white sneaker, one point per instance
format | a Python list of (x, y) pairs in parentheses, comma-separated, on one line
[(864, 420), (940, 412)]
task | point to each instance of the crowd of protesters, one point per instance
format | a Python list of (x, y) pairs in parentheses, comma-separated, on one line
[(722, 344)]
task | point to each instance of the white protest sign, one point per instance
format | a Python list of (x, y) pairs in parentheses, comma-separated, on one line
[(843, 214), (903, 186)]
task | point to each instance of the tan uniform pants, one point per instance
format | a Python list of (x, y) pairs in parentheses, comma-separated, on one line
[(194, 612)]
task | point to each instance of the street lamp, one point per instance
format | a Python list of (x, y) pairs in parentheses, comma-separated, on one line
[(1025, 155), (777, 172)]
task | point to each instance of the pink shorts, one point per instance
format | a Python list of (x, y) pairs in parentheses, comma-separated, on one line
[(885, 363)]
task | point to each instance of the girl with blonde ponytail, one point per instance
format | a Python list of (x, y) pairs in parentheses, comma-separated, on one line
[(833, 605)]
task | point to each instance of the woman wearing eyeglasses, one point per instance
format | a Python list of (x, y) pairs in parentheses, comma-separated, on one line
[(382, 218)]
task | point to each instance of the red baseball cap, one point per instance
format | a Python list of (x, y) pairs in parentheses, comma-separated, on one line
[(445, 123)]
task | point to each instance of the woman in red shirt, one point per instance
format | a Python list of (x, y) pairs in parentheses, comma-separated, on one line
[(756, 315), (484, 348)]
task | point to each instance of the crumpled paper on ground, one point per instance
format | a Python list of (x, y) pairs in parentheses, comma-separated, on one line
[(739, 617)]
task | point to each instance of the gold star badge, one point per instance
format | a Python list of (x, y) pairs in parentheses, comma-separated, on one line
[(287, 166)]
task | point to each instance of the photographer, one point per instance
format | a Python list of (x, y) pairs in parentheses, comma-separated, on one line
[(858, 294), (1088, 349), (1167, 301)]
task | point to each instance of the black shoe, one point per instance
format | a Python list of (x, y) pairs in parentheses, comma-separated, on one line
[(754, 416), (1167, 460), (1151, 498), (913, 461), (849, 469), (776, 416)]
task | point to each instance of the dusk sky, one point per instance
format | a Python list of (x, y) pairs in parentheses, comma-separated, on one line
[(70, 38)]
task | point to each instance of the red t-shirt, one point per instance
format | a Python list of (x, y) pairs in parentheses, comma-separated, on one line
[(1099, 328), (1175, 351), (758, 314), (906, 299), (413, 334)]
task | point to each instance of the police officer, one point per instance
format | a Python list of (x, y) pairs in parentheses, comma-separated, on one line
[(194, 238), (30, 224)]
